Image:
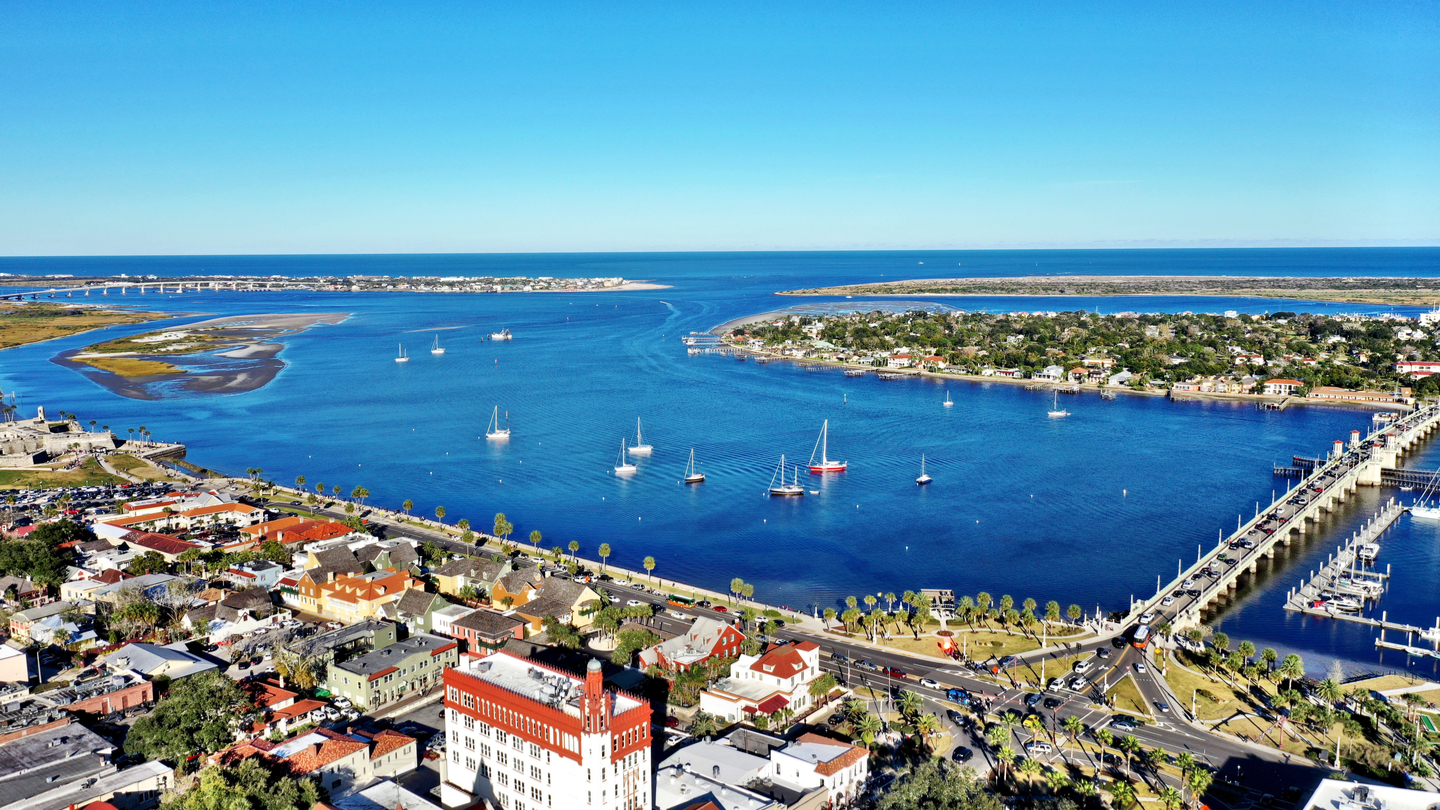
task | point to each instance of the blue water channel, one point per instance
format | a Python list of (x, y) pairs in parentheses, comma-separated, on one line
[(1088, 509)]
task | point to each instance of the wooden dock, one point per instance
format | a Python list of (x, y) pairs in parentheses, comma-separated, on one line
[(1343, 562)]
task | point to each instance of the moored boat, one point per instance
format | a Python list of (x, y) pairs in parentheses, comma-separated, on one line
[(640, 448), (623, 466), (402, 358), (437, 348), (821, 448), (784, 490), (693, 476), (493, 431), (923, 479)]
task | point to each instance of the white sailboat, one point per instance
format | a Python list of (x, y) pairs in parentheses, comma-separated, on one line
[(821, 448), (493, 431), (640, 448), (923, 479), (1424, 508), (693, 476), (624, 467), (503, 334), (1056, 411), (437, 349), (948, 402), (784, 490), (402, 358)]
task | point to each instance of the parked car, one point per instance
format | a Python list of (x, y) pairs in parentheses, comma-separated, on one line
[(672, 722)]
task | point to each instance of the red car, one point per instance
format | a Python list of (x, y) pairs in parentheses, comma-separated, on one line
[(722, 609), (672, 722)]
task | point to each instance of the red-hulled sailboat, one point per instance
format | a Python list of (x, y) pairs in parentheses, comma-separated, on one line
[(825, 465)]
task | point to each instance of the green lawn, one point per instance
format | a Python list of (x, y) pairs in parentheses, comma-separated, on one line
[(88, 474)]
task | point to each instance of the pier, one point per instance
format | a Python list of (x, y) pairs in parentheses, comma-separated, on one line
[(1332, 479), (1340, 574)]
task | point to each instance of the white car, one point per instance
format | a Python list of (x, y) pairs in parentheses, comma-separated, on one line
[(1188, 583), (1034, 748), (342, 702), (614, 600), (929, 683), (1146, 618), (1140, 667), (1168, 601), (634, 603)]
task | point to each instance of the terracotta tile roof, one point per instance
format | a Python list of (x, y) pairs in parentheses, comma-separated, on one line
[(838, 764), (268, 694), (298, 708), (110, 576), (315, 757), (238, 508), (389, 740), (272, 525), (135, 520), (163, 543), (782, 662)]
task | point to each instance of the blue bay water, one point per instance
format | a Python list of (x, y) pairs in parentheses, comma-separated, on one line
[(1088, 509)]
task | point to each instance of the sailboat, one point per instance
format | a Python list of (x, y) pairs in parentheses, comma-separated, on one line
[(1055, 410), (923, 479), (784, 490), (692, 476), (821, 446), (640, 448), (402, 358), (503, 334), (1424, 508), (437, 348), (493, 431), (624, 467), (948, 402)]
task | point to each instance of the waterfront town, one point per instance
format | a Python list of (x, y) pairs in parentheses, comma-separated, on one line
[(179, 638), (67, 285), (1382, 359)]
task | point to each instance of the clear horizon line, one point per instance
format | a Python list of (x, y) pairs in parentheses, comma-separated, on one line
[(1034, 247)]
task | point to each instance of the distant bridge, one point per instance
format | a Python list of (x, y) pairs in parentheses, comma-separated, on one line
[(159, 287)]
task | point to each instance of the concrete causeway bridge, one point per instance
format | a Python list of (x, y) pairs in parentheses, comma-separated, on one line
[(1360, 462), (158, 286)]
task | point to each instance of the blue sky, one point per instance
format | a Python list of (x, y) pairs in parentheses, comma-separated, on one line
[(474, 127)]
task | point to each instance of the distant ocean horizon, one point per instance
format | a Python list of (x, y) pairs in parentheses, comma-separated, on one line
[(1088, 510)]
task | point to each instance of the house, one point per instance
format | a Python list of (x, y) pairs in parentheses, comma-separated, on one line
[(476, 572), (1280, 386), (169, 515), (87, 582), (1050, 373), (414, 609), (1346, 395), (485, 631), (236, 614), (765, 684), (561, 599), (153, 660), (933, 361), (900, 361), (707, 638), (14, 665), (1417, 369), (749, 769), (17, 590), (39, 623), (290, 530), (516, 587), (163, 544), (1077, 374), (383, 676), (353, 596), (1100, 362), (443, 618), (812, 761), (340, 763), (68, 766), (116, 691), (255, 574)]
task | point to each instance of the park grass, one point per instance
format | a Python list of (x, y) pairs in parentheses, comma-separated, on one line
[(1030, 672), (129, 366), (1125, 697), (88, 474), (53, 321), (1386, 682), (1184, 684), (139, 468)]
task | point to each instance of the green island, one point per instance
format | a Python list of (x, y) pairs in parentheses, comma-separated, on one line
[(23, 324), (1283, 353), (1356, 290)]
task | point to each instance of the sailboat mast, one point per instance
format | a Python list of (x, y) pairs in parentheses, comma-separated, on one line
[(825, 442)]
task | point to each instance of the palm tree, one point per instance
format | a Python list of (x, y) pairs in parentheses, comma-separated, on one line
[(1269, 656), (1005, 755), (748, 590), (867, 726), (1129, 746), (1221, 641), (1106, 740), (406, 506), (360, 494), (890, 602), (1031, 768), (828, 614), (1073, 726), (574, 547), (462, 524), (1171, 798), (927, 726), (1057, 780), (1122, 794), (535, 538), (604, 552), (320, 488), (1074, 612), (703, 725), (1292, 668), (910, 704), (736, 585), (1331, 690), (336, 490), (440, 513), (1185, 762), (649, 565), (1247, 649), (1086, 788), (1198, 781), (503, 527)]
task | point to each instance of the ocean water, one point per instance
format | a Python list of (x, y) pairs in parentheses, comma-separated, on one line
[(1087, 510)]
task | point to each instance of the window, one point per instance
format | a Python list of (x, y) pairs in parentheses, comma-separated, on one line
[(500, 736), (469, 722), (470, 742), (502, 757), (534, 771), (504, 778), (470, 763), (484, 750), (534, 750), (536, 794), (519, 744)]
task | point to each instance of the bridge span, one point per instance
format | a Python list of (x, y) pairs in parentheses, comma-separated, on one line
[(158, 286), (1349, 465)]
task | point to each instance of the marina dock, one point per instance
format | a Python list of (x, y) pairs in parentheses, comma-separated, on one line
[(1342, 572)]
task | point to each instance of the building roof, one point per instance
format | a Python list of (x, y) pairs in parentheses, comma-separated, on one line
[(481, 568), (567, 591), (172, 660), (488, 624), (542, 607), (369, 587), (1283, 381), (717, 759), (782, 661), (830, 756), (67, 754), (416, 602), (266, 694), (384, 795), (515, 581), (377, 661), (163, 543), (538, 682)]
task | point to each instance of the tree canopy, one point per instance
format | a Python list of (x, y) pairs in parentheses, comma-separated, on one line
[(197, 716), (61, 531), (248, 784), (936, 785)]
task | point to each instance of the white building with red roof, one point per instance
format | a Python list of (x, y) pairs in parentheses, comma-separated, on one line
[(525, 736), (765, 684), (707, 638)]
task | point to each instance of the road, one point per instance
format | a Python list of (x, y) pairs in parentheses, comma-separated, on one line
[(1261, 771)]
